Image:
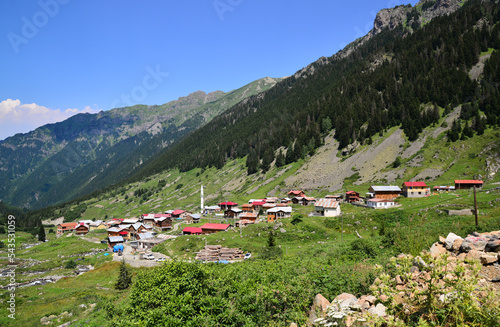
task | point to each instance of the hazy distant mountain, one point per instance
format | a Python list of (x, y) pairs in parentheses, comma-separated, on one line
[(57, 162)]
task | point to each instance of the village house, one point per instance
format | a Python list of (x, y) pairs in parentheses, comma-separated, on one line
[(380, 203), (233, 213), (211, 209), (82, 229), (149, 243), (384, 192), (337, 197), (130, 221), (308, 200), (286, 201), (193, 218), (327, 208), (66, 227), (444, 188), (114, 240), (192, 231), (119, 231), (179, 214), (99, 224), (276, 213), (214, 228), (164, 222), (468, 184), (257, 205), (298, 200), (415, 189), (149, 218), (249, 216), (248, 208), (136, 229), (352, 196), (113, 222), (227, 205), (244, 223), (273, 200), (296, 193)]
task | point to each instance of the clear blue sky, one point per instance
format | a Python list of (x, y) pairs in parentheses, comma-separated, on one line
[(60, 57)]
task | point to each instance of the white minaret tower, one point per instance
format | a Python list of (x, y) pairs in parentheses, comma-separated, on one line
[(202, 204)]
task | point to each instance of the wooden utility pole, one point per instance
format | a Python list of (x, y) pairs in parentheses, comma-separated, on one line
[(475, 204)]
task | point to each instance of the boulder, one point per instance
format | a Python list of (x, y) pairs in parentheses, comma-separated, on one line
[(378, 310), (450, 239), (345, 300), (369, 298), (473, 255), (318, 308), (457, 243), (487, 259), (437, 249), (493, 246)]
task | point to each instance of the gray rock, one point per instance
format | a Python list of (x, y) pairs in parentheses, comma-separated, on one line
[(450, 239), (420, 263), (378, 310), (282, 230)]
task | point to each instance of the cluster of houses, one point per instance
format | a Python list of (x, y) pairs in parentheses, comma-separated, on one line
[(143, 229)]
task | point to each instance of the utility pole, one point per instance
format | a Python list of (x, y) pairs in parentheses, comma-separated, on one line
[(475, 204)]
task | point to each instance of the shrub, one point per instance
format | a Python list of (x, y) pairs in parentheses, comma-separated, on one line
[(70, 264)]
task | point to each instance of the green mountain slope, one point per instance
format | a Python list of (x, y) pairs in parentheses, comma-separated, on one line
[(87, 152)]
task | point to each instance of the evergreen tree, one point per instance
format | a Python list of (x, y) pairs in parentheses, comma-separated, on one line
[(41, 234), (280, 159), (252, 162), (326, 125), (124, 277), (267, 159), (289, 158), (271, 242)]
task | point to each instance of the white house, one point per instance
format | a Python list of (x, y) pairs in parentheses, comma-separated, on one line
[(327, 208), (380, 203)]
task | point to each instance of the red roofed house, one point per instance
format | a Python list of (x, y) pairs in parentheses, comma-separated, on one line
[(351, 196), (192, 231), (179, 214), (415, 189), (82, 229), (66, 227), (214, 228), (467, 184), (227, 205), (295, 193)]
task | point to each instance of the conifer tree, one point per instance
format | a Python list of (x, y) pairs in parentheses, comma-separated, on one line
[(280, 159), (41, 234), (124, 277)]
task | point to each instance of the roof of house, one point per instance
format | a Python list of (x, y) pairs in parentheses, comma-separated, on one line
[(195, 216), (386, 188), (415, 184), (115, 239), (248, 215), (327, 203), (351, 192), (258, 203), (235, 210), (97, 223), (115, 229), (73, 224), (228, 203), (212, 208), (143, 236), (177, 212), (247, 205), (215, 226), (130, 220), (472, 181), (81, 224), (310, 198), (136, 226), (86, 222), (295, 192), (192, 230), (280, 209)]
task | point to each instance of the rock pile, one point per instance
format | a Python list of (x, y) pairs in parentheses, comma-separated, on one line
[(217, 252), (438, 267)]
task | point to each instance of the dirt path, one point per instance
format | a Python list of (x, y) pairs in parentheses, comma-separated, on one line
[(133, 259)]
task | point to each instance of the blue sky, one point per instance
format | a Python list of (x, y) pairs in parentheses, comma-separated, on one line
[(61, 57)]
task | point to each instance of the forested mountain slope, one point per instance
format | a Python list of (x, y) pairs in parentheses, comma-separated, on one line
[(401, 75)]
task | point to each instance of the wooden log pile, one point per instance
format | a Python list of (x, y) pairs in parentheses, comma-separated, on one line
[(217, 252)]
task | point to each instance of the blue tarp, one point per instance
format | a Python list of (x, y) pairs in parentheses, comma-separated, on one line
[(118, 247)]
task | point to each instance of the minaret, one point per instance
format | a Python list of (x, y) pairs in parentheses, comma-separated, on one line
[(202, 204)]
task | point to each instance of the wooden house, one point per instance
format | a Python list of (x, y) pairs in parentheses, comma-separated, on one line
[(214, 228), (468, 184), (444, 188), (164, 222), (211, 209), (65, 228), (114, 240), (257, 205), (248, 208), (327, 208), (296, 193), (298, 200), (249, 216), (276, 213), (233, 213), (82, 229), (99, 224), (192, 231), (415, 189), (385, 192), (227, 205), (119, 231), (193, 218), (336, 197), (352, 196), (179, 214), (308, 200)]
